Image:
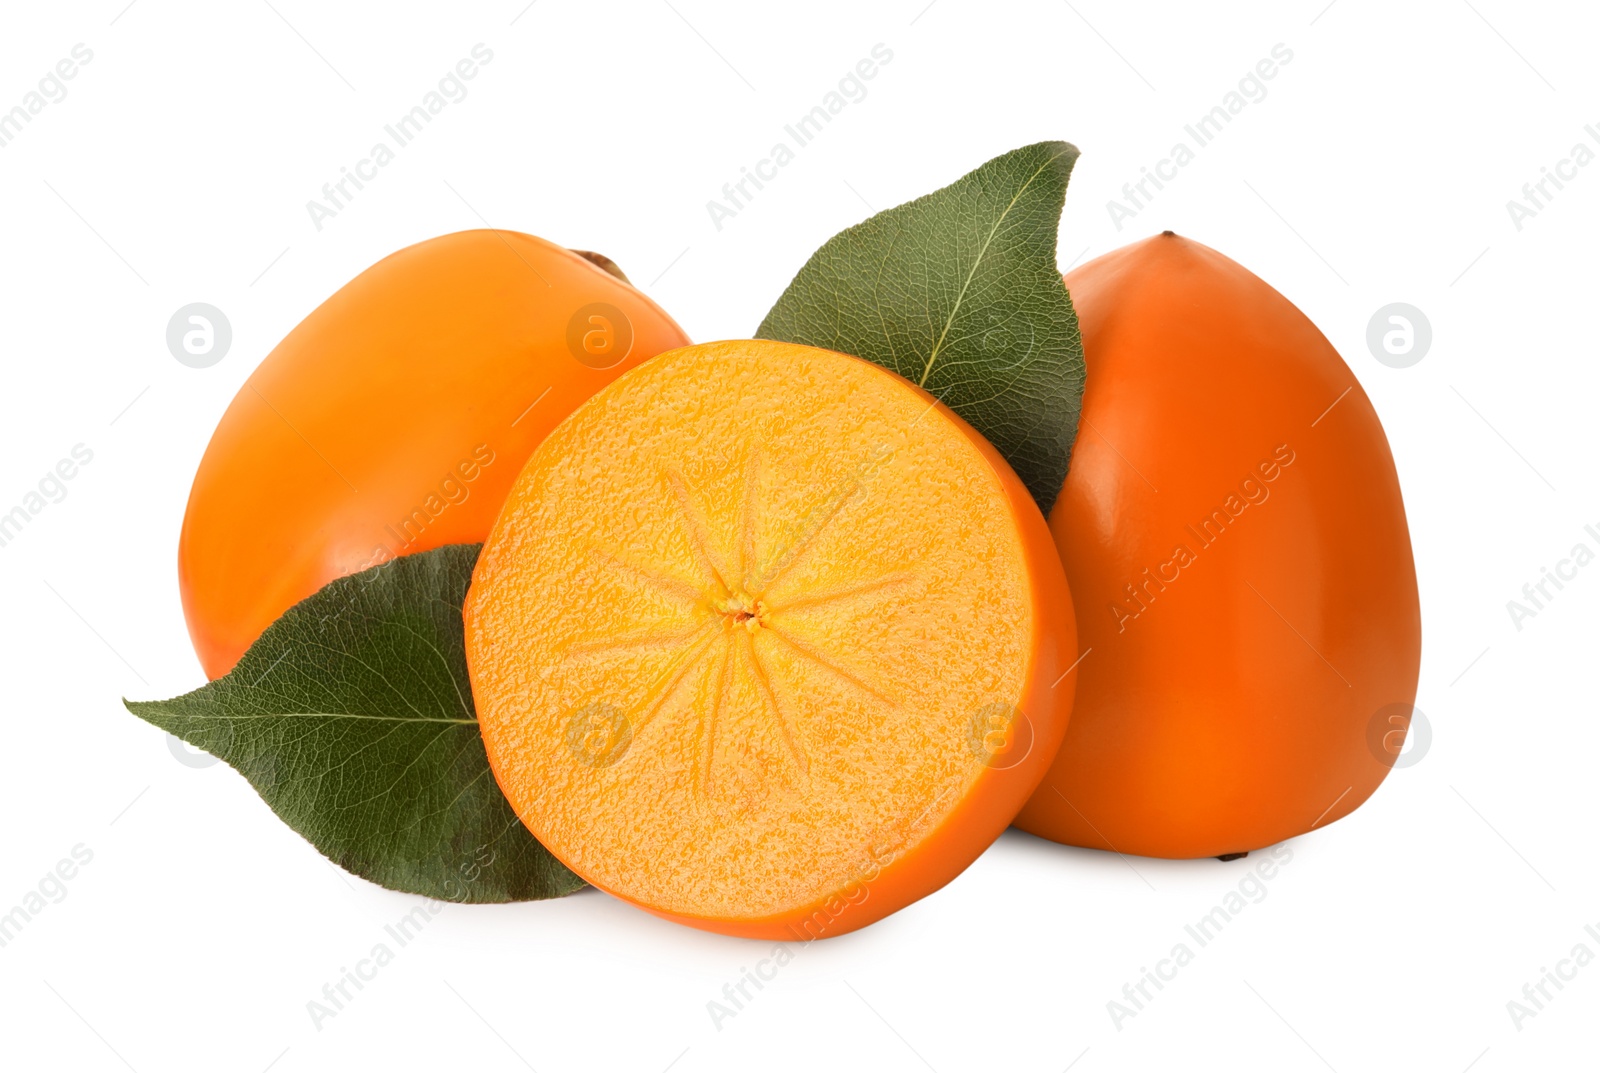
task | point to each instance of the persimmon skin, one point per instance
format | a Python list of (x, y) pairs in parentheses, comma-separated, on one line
[(1226, 701), (393, 419)]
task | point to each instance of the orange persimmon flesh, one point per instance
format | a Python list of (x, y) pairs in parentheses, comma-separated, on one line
[(767, 641)]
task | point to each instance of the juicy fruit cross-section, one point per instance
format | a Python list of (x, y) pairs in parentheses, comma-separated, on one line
[(750, 670)]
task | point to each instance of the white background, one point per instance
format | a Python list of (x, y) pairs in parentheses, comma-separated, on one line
[(1376, 170)]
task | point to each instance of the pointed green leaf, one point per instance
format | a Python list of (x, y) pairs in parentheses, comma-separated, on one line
[(959, 292), (352, 716)]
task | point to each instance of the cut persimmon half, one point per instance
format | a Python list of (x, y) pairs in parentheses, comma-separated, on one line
[(768, 641)]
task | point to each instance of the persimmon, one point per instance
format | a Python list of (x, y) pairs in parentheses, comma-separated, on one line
[(768, 641), (394, 417), (1233, 532)]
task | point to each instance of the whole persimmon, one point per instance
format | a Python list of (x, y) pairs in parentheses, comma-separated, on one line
[(1237, 550), (394, 418)]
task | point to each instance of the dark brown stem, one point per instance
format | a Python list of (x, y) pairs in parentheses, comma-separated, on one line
[(606, 264)]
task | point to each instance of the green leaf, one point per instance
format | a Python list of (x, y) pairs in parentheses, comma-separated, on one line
[(352, 716), (959, 292)]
